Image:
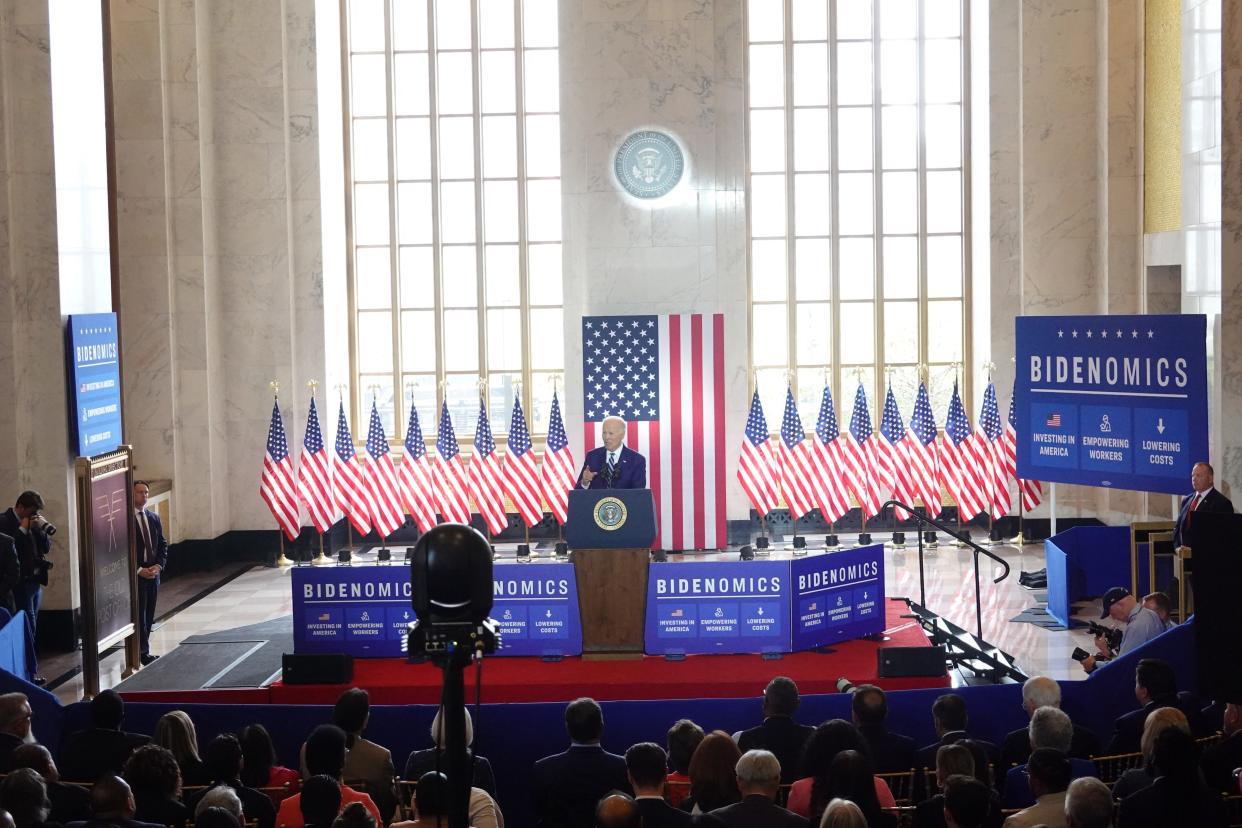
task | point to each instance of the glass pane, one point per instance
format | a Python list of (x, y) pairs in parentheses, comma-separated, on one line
[(499, 146), (857, 279), (767, 270), (901, 202), (767, 140), (944, 136), (421, 390), (498, 84), (810, 20), (814, 332), (944, 331), (942, 18), (461, 395), (461, 340), (502, 275), (379, 388), (457, 147), (375, 341), (500, 211), (460, 276), (853, 19), (944, 202), (370, 150), (456, 79), (901, 267), (457, 211), (900, 137), (940, 388), (770, 333), (373, 278), (502, 390), (898, 18), (899, 76), (417, 278), (504, 339), (857, 332), (854, 73), (942, 61), (772, 384), (547, 338), (369, 86), (543, 145), (767, 75), (543, 88), (366, 25), (901, 332), (409, 24), (812, 203), (810, 74), (854, 207), (495, 24), (854, 141), (544, 274), (944, 266), (765, 20), (453, 25), (541, 23), (413, 213), (767, 205), (812, 269), (413, 148), (541, 398), (811, 146), (371, 214), (543, 210), (810, 394), (410, 83), (418, 341)]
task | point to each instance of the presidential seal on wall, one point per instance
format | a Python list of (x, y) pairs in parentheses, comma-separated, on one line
[(610, 514), (649, 164)]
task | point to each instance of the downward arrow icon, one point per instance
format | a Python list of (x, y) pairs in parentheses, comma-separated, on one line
[(1160, 425)]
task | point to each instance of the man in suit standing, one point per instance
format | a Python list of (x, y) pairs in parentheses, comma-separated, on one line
[(759, 780), (568, 785), (779, 733), (152, 551), (30, 533), (1204, 498), (612, 465)]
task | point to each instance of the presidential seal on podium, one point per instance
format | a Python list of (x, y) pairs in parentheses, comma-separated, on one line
[(610, 514)]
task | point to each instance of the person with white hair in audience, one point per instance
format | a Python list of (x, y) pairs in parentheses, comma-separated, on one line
[(1088, 804), (841, 813), (1049, 728), (221, 796), (422, 761), (25, 797), (70, 803), (759, 781), (15, 718), (1037, 692)]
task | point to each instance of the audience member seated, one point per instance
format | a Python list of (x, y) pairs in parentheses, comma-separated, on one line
[(568, 785), (431, 805), (103, 747), (221, 796), (1038, 692), (70, 803), (325, 753), (366, 761), (891, 752), (1179, 795), (223, 761), (646, 764), (682, 740), (155, 779), (354, 815), (15, 715), (713, 778), (422, 761), (1049, 772), (1220, 759), (616, 810), (321, 801), (950, 719), (1088, 804), (967, 802), (175, 731), (1049, 728), (841, 813), (779, 733), (6, 819), (112, 804), (1155, 686), (216, 817), (759, 781), (260, 768), (851, 776), (983, 768), (25, 798), (951, 760), (1162, 606), (1135, 779), (809, 796)]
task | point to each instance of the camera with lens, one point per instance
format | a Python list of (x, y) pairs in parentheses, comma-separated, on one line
[(41, 523), (1111, 635), (844, 685), (451, 594)]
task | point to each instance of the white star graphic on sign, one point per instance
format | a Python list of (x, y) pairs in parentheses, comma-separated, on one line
[(1104, 334), (1134, 334), (1151, 334), (1089, 334), (1060, 334), (1074, 334), (1119, 333)]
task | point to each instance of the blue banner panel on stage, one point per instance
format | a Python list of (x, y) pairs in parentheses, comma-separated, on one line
[(718, 607), (837, 596), (95, 377), (1114, 401), (536, 606)]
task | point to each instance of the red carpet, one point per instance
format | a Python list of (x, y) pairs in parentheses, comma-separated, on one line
[(392, 681)]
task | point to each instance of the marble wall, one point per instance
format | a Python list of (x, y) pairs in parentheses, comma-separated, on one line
[(1224, 42)]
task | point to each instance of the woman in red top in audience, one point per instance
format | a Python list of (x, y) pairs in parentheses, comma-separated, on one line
[(807, 796), (713, 778), (259, 764), (683, 738)]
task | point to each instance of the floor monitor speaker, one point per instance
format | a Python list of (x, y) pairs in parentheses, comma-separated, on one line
[(317, 668), (900, 662)]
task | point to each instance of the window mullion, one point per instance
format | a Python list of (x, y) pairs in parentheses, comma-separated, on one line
[(433, 114), (877, 189), (791, 308), (519, 119), (967, 246), (394, 294), (920, 114), (479, 235), (350, 269), (834, 202)]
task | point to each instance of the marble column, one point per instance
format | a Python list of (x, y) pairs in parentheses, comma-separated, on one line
[(1228, 115)]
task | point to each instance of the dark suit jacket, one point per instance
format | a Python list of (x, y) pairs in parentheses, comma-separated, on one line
[(422, 761), (158, 553), (69, 802), (785, 738), (930, 813), (31, 545), (657, 813), (1016, 748), (1161, 805), (759, 812), (568, 785), (256, 805), (1128, 728), (890, 752), (10, 573), (1213, 501), (1219, 761), (631, 469), (1018, 786), (926, 756), (114, 823), (88, 754), (8, 744), (162, 810)]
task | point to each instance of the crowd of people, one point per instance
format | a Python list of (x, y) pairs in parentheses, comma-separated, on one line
[(778, 773)]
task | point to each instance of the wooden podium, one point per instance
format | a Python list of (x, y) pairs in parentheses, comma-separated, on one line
[(610, 532)]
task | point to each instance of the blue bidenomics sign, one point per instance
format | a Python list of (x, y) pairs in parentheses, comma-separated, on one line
[(1113, 401), (95, 375)]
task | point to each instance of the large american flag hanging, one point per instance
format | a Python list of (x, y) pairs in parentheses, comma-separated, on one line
[(418, 492), (521, 473), (558, 470), (921, 449), (315, 475), (486, 478), (665, 376), (1030, 490), (960, 470), (829, 459), (861, 460), (991, 452), (450, 476), (756, 467), (351, 488), (891, 450), (276, 485), (381, 476)]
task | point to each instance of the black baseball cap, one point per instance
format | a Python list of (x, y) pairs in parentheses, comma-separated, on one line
[(1111, 597)]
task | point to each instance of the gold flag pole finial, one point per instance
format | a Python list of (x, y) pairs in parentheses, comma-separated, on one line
[(990, 367), (275, 386), (340, 390), (312, 385)]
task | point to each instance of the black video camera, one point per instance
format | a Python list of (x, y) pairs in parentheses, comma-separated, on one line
[(1111, 635)]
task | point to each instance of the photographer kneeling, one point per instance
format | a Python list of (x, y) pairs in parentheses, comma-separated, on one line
[(1142, 625)]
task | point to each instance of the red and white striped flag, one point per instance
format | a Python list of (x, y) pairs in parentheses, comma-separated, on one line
[(921, 449), (829, 460), (352, 496), (665, 376), (315, 475), (861, 457), (991, 450), (1030, 490), (276, 485), (521, 473), (797, 471), (381, 475), (486, 478), (960, 470), (418, 492), (558, 465), (891, 448), (756, 468), (450, 474)]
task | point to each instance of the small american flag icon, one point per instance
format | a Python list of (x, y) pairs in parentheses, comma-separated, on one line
[(677, 613), (1054, 420)]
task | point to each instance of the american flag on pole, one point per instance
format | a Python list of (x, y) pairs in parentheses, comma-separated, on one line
[(829, 461), (352, 496), (795, 462), (387, 514), (921, 449), (450, 473), (991, 452), (960, 471), (756, 467), (486, 478), (894, 461), (276, 485), (315, 475), (558, 468), (415, 476), (521, 472), (665, 376), (861, 461), (1031, 490)]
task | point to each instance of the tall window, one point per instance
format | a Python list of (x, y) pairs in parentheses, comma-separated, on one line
[(858, 198), (454, 208)]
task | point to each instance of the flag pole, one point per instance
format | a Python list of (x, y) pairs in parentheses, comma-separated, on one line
[(281, 560), (957, 381), (322, 559), (992, 539)]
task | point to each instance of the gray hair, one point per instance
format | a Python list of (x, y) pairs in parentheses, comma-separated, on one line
[(221, 796), (952, 760), (1050, 728), (613, 418), (1041, 691), (437, 730), (1089, 803), (758, 767)]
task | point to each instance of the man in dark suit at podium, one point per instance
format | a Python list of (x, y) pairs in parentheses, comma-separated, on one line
[(1204, 498), (612, 465)]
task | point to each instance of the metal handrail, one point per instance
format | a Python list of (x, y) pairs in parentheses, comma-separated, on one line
[(964, 537)]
